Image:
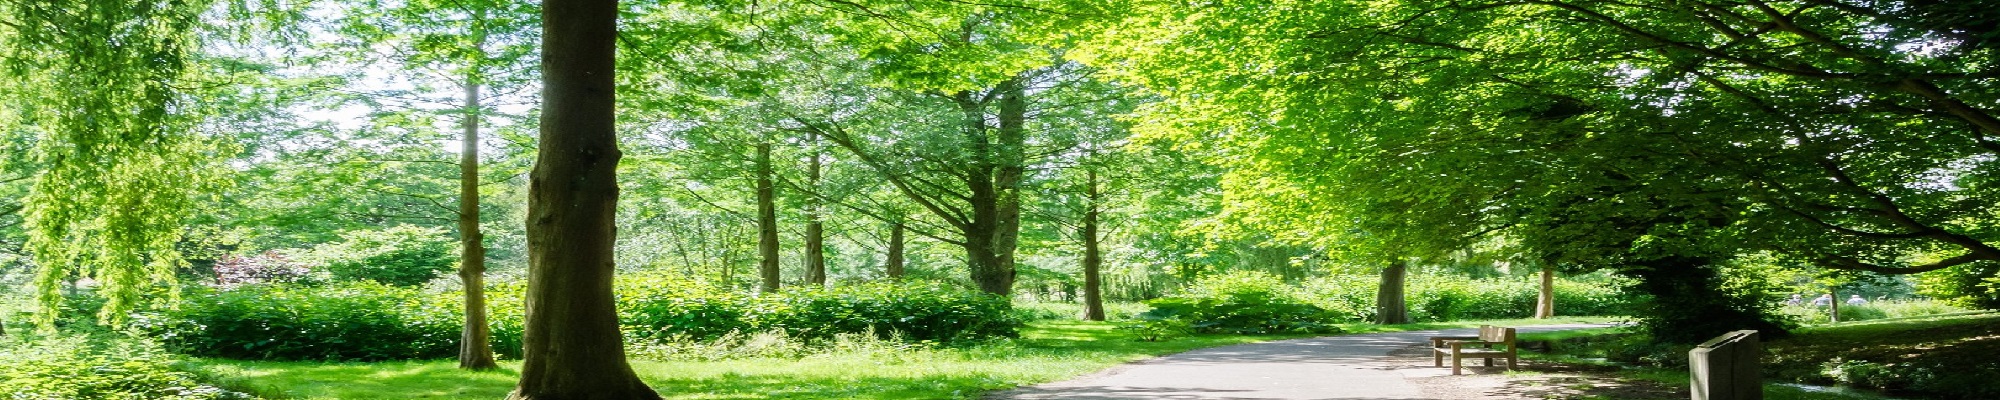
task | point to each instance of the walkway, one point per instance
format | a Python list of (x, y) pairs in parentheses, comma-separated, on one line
[(1350, 367)]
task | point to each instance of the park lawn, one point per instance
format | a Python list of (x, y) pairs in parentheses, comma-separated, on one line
[(1047, 351), (1965, 341)]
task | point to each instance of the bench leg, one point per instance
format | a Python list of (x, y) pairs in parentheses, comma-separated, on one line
[(1489, 361), (1457, 363), (1510, 362), (1437, 358)]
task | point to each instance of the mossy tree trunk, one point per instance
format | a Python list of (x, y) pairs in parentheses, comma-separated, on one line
[(1390, 307), (475, 346), (767, 221), (1545, 302)]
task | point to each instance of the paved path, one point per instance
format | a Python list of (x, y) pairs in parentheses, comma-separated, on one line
[(1350, 367)]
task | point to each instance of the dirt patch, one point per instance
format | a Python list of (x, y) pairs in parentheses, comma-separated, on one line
[(1532, 380)]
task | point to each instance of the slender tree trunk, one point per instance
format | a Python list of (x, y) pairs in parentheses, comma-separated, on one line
[(767, 221), (895, 258), (475, 343), (1093, 259), (815, 223), (1833, 307), (1389, 304), (1545, 303), (573, 349)]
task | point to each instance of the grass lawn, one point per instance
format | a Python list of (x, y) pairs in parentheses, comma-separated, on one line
[(1047, 351), (1949, 356)]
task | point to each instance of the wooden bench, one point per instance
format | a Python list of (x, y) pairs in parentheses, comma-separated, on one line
[(1492, 342)]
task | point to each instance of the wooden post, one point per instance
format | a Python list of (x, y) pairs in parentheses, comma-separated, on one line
[(1725, 368)]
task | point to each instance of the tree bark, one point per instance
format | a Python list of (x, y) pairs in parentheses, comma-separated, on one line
[(573, 349), (815, 223), (1545, 302), (995, 185), (895, 258), (475, 344), (1389, 305), (1093, 258), (767, 221)]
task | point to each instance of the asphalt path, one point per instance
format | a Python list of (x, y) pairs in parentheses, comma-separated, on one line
[(1348, 367)]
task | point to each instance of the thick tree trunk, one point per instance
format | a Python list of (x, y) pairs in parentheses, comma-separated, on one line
[(815, 223), (475, 343), (767, 221), (895, 258), (1545, 302), (1093, 258), (995, 230), (573, 349), (1389, 304)]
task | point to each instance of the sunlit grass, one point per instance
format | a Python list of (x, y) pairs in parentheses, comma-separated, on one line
[(1047, 351)]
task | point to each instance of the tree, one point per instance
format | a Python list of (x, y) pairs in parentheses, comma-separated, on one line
[(119, 159), (1597, 133), (572, 346)]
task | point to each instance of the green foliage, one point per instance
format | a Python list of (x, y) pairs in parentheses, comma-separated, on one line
[(670, 309), (1153, 327), (1437, 297), (83, 367), (1689, 300), (1885, 309), (913, 311), (115, 139), (1244, 302), (662, 308), (345, 321), (404, 255), (1970, 286)]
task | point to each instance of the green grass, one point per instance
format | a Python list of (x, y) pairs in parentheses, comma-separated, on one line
[(1954, 348), (1047, 351)]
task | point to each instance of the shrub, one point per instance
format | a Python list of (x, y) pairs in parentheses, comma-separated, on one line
[(1245, 302), (351, 321), (80, 367), (1446, 297), (1970, 285), (658, 308), (404, 255), (913, 311), (266, 267)]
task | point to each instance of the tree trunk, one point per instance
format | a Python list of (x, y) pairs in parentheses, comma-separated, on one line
[(1093, 259), (1389, 306), (573, 349), (1832, 307), (895, 258), (1545, 303), (475, 347), (815, 224), (995, 230), (767, 221)]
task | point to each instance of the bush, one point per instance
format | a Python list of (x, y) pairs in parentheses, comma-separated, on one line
[(96, 368), (913, 311), (1446, 297), (666, 310), (660, 308), (1970, 285), (360, 321), (266, 267), (404, 255), (1249, 302)]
